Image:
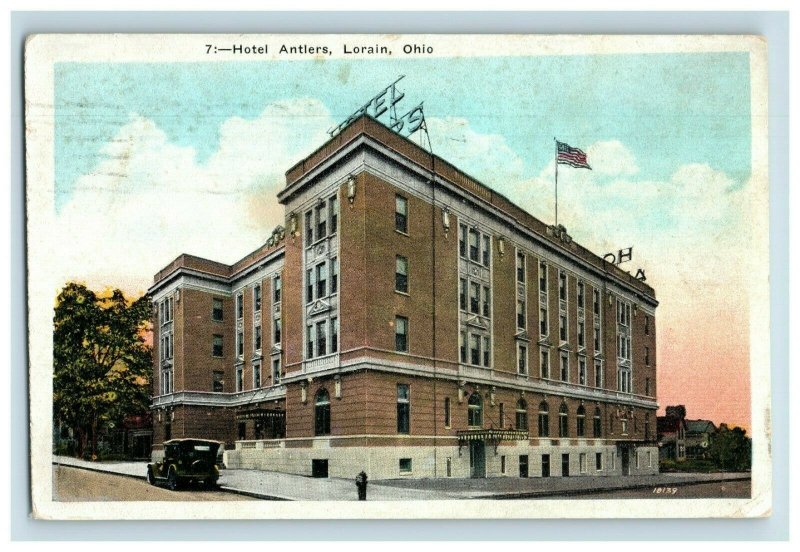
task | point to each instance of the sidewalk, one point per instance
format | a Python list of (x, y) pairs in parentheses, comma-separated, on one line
[(280, 486)]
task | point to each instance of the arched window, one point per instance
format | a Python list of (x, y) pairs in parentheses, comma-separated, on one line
[(581, 419), (322, 413), (563, 421), (475, 410), (544, 420), (522, 415), (598, 423)]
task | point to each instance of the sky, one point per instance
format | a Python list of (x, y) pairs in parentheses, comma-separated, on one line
[(154, 160)]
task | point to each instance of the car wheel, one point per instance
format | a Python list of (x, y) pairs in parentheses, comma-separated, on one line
[(172, 480), (210, 484), (150, 478)]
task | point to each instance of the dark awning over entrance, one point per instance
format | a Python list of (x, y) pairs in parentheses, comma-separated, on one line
[(492, 435), (260, 414)]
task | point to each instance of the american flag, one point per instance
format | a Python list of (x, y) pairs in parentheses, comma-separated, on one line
[(567, 155)]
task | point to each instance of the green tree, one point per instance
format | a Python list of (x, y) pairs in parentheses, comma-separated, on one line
[(102, 361), (731, 449)]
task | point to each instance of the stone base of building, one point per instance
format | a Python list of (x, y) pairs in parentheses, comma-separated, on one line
[(329, 458)]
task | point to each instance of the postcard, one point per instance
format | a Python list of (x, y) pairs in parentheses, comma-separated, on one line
[(368, 276)]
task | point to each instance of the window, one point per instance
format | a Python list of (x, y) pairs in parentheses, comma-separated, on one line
[(216, 348), (562, 286), (401, 334), (520, 267), (543, 277), (544, 364), (334, 275), (462, 240), (582, 371), (580, 295), (624, 424), (309, 285), (276, 289), (522, 359), (239, 305), (257, 338), (167, 377), (334, 334), (503, 464), (502, 415), (405, 465), (462, 294), (564, 367), (522, 415), (598, 461), (487, 352), (562, 326), (646, 325), (322, 338), (322, 220), (485, 251), (242, 430), (309, 227), (447, 412), (597, 341), (276, 371), (475, 410), (218, 382), (256, 375), (322, 413), (333, 208), (322, 280), (309, 341), (240, 344), (276, 331), (401, 274), (624, 379), (239, 378), (216, 309), (580, 417), (401, 214), (257, 297), (474, 297), (544, 420), (596, 302), (487, 301), (563, 421), (543, 321), (520, 314), (647, 386), (463, 347), (474, 245), (581, 334), (474, 349), (403, 409), (647, 356)]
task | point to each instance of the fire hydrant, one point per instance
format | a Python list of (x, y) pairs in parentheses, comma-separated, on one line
[(361, 485)]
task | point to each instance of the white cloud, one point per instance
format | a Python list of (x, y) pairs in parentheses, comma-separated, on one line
[(149, 200)]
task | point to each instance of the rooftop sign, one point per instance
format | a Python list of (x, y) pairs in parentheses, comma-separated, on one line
[(385, 102)]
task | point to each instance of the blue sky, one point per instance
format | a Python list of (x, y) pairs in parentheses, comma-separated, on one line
[(667, 109)]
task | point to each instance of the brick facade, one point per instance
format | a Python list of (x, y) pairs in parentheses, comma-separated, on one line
[(356, 179)]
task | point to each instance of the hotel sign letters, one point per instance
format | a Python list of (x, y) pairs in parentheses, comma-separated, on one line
[(384, 102)]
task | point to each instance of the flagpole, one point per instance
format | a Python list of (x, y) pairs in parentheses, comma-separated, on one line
[(556, 160)]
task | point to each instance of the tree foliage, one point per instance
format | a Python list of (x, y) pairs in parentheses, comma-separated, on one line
[(731, 449), (102, 361)]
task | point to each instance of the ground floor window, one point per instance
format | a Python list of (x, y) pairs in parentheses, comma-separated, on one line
[(405, 465)]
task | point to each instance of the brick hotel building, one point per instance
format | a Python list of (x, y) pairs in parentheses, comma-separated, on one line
[(411, 322)]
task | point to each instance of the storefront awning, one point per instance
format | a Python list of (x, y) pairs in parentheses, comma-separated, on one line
[(492, 435)]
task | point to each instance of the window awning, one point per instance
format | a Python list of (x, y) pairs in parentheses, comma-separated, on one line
[(260, 414), (492, 435)]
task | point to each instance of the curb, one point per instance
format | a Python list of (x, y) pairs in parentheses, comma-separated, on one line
[(578, 492)]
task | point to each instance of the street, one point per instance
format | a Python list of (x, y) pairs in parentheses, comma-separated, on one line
[(78, 485)]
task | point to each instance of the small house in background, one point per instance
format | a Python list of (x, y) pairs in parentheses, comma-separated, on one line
[(699, 434), (672, 430)]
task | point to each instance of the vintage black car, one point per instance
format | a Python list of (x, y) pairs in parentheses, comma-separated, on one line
[(186, 461)]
